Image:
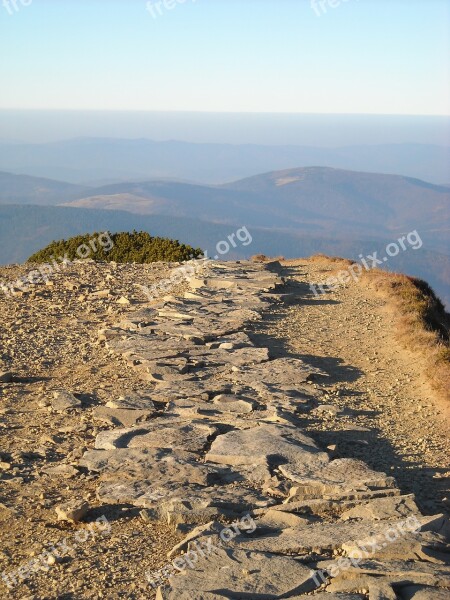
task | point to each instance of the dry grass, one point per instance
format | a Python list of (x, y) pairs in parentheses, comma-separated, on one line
[(262, 258), (423, 323), (331, 259)]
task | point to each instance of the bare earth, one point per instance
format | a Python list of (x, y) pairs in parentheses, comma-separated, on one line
[(373, 380), (381, 410), (49, 339)]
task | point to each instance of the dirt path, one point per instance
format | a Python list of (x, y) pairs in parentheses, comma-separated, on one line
[(385, 410)]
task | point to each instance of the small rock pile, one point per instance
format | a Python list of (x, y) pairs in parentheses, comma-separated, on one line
[(216, 437)]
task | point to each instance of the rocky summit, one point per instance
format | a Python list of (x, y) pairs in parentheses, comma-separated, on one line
[(206, 465)]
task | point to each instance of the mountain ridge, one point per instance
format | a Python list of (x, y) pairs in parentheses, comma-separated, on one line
[(89, 159)]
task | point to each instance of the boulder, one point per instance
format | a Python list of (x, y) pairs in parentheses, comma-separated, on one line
[(63, 400), (72, 511)]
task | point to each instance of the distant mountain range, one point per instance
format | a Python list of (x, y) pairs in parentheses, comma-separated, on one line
[(94, 161), (294, 212), (315, 201)]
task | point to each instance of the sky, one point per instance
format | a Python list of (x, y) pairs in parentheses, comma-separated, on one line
[(284, 56)]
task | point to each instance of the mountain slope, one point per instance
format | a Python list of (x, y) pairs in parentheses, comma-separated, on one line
[(24, 189), (327, 201)]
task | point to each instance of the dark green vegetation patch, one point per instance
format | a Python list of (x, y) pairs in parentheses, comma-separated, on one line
[(138, 246)]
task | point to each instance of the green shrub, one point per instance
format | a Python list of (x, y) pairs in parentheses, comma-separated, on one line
[(138, 246)]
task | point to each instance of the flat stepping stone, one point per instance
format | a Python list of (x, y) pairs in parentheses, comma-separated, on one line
[(421, 592), (149, 347), (121, 417), (229, 358), (201, 507), (334, 505), (403, 576), (281, 371), (381, 509), (183, 436), (240, 574), (339, 476), (233, 404), (349, 536), (268, 445), (192, 438), (204, 390), (132, 402), (237, 340), (150, 471), (162, 485)]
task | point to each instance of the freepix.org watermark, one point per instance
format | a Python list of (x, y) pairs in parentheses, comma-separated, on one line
[(13, 6), (158, 7), (371, 261), (196, 267), (367, 549), (58, 263), (199, 550), (320, 7), (56, 552)]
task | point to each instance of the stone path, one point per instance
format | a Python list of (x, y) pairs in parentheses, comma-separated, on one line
[(267, 514)]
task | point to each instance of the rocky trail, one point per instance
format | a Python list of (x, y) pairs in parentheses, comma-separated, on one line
[(372, 381), (226, 441)]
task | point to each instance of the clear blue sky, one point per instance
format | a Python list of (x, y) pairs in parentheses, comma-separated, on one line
[(363, 56)]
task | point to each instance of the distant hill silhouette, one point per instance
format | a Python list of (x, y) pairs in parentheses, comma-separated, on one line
[(314, 200), (87, 160), (24, 189)]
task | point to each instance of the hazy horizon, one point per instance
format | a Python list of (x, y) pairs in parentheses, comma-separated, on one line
[(303, 129)]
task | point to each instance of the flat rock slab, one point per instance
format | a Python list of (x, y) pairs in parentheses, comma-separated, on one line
[(204, 390), (65, 471), (237, 340), (240, 357), (194, 486), (382, 586), (192, 438), (421, 592), (396, 572), (183, 436), (422, 546), (381, 509), (240, 574), (183, 408), (281, 371), (152, 469), (339, 476), (121, 417), (174, 330), (63, 400), (204, 506), (335, 506), (233, 404), (327, 537), (149, 347), (132, 402), (268, 445)]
